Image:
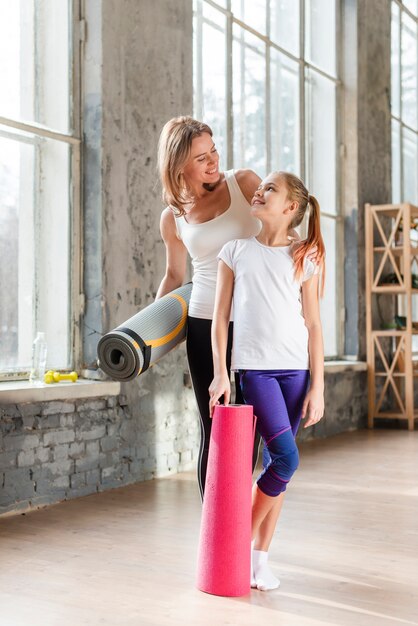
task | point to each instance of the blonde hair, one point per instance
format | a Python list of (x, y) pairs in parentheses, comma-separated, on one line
[(174, 148), (297, 192)]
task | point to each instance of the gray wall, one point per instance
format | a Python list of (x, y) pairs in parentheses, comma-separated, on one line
[(53, 451)]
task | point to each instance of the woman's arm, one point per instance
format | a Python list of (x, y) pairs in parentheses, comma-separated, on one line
[(220, 384), (313, 406), (176, 255)]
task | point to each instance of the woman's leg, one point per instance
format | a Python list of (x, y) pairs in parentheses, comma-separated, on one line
[(199, 356)]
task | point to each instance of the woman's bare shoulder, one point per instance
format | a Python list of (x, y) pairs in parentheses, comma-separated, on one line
[(248, 182), (168, 223)]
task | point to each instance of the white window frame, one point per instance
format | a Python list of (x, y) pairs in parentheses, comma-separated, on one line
[(74, 140), (303, 66)]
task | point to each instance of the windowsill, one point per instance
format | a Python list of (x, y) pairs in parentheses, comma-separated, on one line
[(343, 365), (16, 392)]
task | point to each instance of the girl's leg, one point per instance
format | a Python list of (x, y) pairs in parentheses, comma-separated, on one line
[(262, 390), (268, 525), (239, 399), (294, 386)]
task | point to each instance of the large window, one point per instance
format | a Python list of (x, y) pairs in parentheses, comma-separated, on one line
[(266, 81), (404, 101), (39, 183), (404, 109)]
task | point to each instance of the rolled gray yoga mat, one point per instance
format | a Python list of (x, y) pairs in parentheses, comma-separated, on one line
[(131, 348)]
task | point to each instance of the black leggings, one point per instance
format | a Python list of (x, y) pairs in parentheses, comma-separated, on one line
[(199, 355)]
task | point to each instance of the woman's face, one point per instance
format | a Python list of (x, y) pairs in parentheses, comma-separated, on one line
[(202, 168)]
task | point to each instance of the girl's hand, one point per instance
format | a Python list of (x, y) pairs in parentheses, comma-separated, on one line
[(220, 386), (313, 407)]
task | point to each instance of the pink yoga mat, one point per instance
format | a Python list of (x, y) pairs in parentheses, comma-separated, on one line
[(223, 565)]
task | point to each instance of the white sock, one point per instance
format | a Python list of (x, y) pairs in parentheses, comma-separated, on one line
[(264, 577), (253, 580)]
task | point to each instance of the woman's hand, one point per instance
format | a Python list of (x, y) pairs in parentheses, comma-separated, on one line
[(313, 407), (313, 256), (312, 253), (220, 386)]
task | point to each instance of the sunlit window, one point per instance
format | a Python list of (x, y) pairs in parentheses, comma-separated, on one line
[(404, 102), (266, 80), (39, 182), (404, 107)]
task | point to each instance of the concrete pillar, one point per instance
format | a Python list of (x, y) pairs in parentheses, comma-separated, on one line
[(139, 56), (367, 139)]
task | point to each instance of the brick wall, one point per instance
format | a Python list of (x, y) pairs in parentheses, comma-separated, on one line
[(53, 451)]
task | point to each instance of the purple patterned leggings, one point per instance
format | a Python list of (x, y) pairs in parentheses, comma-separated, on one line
[(277, 397)]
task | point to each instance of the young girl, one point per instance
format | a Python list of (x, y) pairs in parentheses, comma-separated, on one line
[(277, 342)]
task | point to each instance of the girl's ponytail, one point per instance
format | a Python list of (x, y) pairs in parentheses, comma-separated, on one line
[(314, 239)]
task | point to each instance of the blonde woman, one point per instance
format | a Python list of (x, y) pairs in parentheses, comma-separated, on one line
[(206, 208)]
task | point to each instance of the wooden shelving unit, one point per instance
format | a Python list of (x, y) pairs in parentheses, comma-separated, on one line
[(390, 365)]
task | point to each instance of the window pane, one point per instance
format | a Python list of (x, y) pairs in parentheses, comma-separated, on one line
[(284, 24), (213, 75), (321, 34), (16, 253), (329, 302), (409, 71), (412, 5), (252, 12), (34, 62), (321, 140), (285, 134), (395, 61), (249, 97), (410, 167), (35, 252), (396, 162)]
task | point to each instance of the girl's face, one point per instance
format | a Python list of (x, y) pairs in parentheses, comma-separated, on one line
[(270, 200), (202, 168)]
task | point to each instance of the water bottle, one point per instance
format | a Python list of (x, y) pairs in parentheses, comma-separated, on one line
[(39, 350)]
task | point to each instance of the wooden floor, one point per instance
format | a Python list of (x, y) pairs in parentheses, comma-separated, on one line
[(346, 549)]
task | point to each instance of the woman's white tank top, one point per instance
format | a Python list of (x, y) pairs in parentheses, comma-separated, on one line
[(204, 242)]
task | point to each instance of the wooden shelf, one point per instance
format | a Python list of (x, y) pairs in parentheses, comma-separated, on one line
[(394, 414), (394, 374), (391, 333), (393, 359), (393, 289), (397, 250), (392, 210)]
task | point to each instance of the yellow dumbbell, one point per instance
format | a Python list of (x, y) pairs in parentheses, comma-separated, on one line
[(72, 376), (49, 377), (56, 377)]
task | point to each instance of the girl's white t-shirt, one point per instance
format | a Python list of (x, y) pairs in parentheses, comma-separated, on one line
[(269, 327)]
